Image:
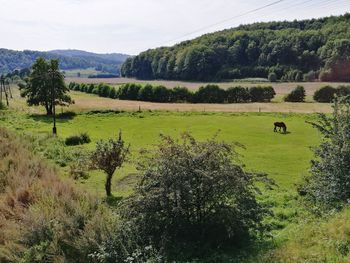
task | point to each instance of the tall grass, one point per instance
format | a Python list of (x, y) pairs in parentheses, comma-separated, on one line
[(41, 216)]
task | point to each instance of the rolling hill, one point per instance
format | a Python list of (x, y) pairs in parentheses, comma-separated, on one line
[(291, 51), (69, 60)]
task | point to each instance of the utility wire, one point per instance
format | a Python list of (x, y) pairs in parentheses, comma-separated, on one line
[(225, 20)]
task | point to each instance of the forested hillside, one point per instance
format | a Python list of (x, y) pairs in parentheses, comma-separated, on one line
[(69, 59), (291, 51)]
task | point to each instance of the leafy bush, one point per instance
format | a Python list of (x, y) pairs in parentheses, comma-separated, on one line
[(343, 90), (210, 94), (194, 196), (129, 91), (146, 93), (261, 94), (237, 95), (2, 106), (82, 138), (297, 95), (330, 169), (181, 94), (325, 94)]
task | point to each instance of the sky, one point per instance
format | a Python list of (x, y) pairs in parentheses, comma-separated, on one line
[(132, 26)]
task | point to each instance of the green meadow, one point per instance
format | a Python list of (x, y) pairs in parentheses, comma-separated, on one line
[(284, 157)]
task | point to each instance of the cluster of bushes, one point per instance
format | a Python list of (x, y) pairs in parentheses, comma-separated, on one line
[(206, 94), (82, 138), (326, 94)]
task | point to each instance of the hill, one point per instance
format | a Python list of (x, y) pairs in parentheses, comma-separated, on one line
[(310, 49), (69, 60)]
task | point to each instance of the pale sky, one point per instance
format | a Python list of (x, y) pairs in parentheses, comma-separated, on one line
[(132, 26)]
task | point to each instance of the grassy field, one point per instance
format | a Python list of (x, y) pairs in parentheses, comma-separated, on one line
[(284, 157)]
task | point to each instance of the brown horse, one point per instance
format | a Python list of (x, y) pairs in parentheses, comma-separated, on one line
[(280, 126)]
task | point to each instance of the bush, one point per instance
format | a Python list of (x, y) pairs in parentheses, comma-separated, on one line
[(2, 106), (180, 94), (90, 88), (272, 77), (129, 91), (146, 93), (112, 93), (161, 94), (193, 196), (325, 94), (343, 90), (261, 94), (237, 95), (210, 94), (310, 76), (78, 139), (330, 170), (297, 95)]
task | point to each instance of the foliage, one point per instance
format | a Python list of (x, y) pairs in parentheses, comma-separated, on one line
[(325, 94), (78, 139), (261, 94), (297, 95), (205, 94), (193, 196), (109, 156), (330, 170), (289, 49), (44, 84), (11, 61)]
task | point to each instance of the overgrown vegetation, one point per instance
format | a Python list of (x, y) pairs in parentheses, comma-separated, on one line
[(327, 93), (297, 50)]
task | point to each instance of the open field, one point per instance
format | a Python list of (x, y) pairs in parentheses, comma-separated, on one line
[(280, 88)]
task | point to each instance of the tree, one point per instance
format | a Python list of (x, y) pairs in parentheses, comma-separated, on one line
[(325, 94), (108, 157), (272, 77), (330, 170), (194, 194), (297, 95), (45, 78)]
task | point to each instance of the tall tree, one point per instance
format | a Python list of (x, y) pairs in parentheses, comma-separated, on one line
[(45, 85)]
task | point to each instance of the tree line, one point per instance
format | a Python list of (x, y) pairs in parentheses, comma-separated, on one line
[(287, 51), (151, 93)]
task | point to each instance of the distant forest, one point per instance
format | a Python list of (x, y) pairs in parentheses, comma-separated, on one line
[(11, 60), (290, 51)]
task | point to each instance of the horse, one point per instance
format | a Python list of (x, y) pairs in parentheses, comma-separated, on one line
[(280, 126)]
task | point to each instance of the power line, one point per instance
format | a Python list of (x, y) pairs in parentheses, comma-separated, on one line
[(226, 20)]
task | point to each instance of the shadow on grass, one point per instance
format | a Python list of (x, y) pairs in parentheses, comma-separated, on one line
[(61, 117), (113, 201)]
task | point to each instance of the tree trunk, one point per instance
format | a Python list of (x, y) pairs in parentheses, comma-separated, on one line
[(108, 185), (48, 108)]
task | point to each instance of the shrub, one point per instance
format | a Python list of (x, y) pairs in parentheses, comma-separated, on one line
[(180, 94), (209, 94), (325, 94), (112, 93), (161, 94), (343, 90), (261, 94), (146, 93), (310, 76), (272, 77), (237, 95), (330, 170), (2, 106), (193, 196), (129, 91), (90, 88), (83, 138), (297, 95)]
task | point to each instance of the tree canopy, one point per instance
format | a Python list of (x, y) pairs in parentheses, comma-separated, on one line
[(288, 50), (45, 85)]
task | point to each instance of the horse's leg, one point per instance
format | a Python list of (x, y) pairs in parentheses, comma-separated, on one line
[(275, 129)]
